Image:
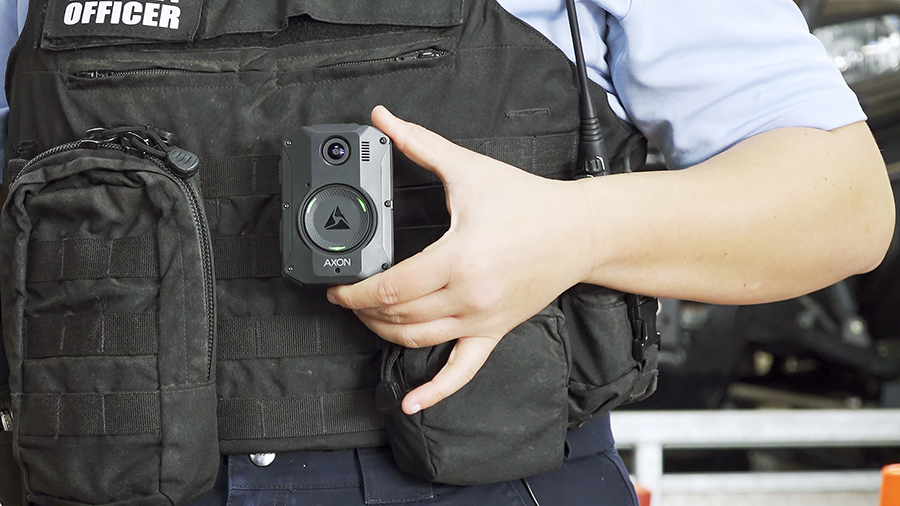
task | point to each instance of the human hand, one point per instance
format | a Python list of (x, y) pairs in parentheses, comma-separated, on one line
[(512, 247)]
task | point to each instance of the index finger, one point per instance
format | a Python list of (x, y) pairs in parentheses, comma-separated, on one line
[(468, 356), (411, 279)]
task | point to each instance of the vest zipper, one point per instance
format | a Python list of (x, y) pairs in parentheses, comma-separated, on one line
[(431, 53), (194, 202)]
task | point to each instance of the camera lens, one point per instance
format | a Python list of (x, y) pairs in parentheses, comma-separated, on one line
[(335, 150)]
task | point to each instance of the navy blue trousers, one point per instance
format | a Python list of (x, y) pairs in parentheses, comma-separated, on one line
[(592, 474)]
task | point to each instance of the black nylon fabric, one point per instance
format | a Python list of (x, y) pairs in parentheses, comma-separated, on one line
[(522, 435), (250, 73), (111, 372)]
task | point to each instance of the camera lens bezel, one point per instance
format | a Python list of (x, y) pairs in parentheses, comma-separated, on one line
[(329, 144)]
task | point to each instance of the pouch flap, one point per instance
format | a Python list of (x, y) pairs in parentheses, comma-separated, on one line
[(89, 23), (236, 16)]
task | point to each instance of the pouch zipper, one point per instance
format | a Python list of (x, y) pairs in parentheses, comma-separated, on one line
[(103, 74), (193, 202), (431, 53)]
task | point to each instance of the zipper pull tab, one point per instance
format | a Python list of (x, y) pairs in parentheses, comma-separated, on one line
[(422, 54), (92, 74), (6, 420), (182, 162)]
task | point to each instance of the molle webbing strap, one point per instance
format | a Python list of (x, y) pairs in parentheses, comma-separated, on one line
[(547, 155), (265, 337), (71, 259), (254, 256), (247, 256), (13, 167), (419, 211), (90, 414), (89, 334), (235, 176), (286, 417)]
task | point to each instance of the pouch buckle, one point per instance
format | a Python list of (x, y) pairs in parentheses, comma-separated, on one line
[(642, 315)]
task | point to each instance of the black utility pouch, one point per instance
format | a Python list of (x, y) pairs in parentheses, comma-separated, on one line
[(109, 323), (508, 422), (588, 352), (614, 346)]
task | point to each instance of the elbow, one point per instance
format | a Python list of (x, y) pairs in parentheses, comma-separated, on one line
[(878, 235), (874, 232), (868, 202)]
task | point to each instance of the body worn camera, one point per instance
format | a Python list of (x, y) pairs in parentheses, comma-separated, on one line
[(336, 190)]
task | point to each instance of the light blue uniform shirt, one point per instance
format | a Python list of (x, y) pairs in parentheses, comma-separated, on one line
[(696, 76)]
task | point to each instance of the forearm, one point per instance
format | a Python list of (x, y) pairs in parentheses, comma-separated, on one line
[(783, 213), (778, 215)]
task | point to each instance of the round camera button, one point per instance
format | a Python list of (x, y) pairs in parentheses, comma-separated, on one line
[(337, 218)]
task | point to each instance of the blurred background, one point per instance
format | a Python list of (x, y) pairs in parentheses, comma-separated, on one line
[(836, 351)]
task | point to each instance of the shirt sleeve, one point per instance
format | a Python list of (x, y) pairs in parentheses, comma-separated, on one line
[(698, 76)]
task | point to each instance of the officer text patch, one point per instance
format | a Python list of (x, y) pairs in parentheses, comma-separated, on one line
[(121, 20)]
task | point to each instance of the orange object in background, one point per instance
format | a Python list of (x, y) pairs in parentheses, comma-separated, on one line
[(643, 494), (890, 486)]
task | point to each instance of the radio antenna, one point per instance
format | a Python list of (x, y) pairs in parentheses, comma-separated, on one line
[(592, 159)]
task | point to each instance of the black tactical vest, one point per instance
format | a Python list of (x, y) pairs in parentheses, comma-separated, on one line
[(228, 80)]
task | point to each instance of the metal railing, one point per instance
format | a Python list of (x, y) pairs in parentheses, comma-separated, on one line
[(650, 433)]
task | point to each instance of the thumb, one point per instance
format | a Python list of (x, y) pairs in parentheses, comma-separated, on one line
[(421, 145)]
